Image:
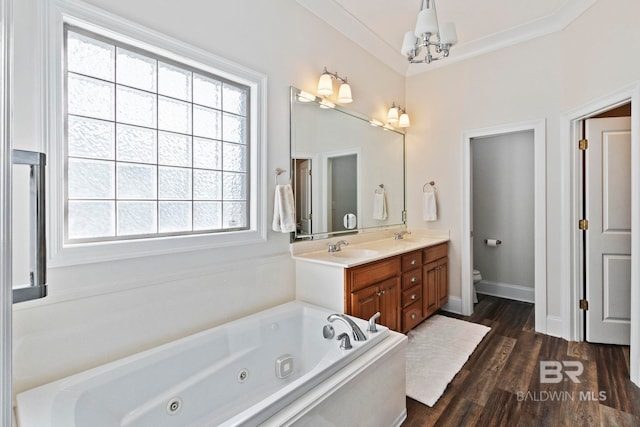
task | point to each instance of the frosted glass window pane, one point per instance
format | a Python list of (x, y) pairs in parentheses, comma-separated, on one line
[(206, 122), (233, 186), (136, 181), (207, 154), (234, 128), (91, 219), (91, 179), (90, 138), (90, 97), (234, 215), (174, 183), (235, 157), (136, 107), (174, 216), (207, 215), (90, 57), (174, 149), (137, 218), (174, 116), (136, 70), (136, 144), (234, 99), (174, 82), (206, 91), (207, 185)]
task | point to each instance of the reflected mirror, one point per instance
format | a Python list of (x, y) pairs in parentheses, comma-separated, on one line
[(347, 173)]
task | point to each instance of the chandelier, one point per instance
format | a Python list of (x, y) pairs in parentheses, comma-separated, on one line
[(418, 44)]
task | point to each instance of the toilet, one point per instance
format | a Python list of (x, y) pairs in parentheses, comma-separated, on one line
[(476, 278)]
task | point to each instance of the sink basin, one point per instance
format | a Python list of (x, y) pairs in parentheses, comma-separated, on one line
[(354, 253)]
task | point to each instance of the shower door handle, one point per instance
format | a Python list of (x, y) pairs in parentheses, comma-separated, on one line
[(37, 287)]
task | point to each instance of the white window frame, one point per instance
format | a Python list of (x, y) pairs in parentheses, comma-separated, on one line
[(55, 14)]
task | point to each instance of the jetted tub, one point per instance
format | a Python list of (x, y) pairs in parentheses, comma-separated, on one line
[(239, 373)]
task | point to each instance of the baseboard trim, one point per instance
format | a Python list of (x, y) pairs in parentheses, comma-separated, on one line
[(506, 290), (453, 305)]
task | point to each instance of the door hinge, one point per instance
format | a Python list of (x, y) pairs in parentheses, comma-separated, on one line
[(583, 224), (584, 304), (583, 144)]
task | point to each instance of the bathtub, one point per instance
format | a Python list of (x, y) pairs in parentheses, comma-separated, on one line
[(264, 368)]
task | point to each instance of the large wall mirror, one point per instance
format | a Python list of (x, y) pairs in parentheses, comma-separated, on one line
[(347, 173)]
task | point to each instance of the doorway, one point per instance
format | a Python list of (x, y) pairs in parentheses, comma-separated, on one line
[(539, 223)]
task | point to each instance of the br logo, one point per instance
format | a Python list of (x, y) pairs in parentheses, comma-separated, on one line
[(553, 372)]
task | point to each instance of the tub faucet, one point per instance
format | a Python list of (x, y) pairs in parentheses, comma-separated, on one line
[(358, 335), (336, 247), (399, 235)]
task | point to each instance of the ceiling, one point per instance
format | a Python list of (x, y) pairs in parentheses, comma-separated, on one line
[(379, 25)]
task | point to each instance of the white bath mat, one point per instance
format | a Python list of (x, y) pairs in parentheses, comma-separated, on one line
[(436, 351)]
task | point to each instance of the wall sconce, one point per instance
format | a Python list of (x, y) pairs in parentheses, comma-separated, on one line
[(325, 86), (398, 115)]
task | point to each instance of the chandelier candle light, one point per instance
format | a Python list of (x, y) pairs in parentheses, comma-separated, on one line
[(417, 44)]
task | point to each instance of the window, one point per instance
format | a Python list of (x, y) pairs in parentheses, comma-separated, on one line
[(153, 147)]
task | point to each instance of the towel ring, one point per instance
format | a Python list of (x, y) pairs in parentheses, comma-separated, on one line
[(430, 183), (279, 172)]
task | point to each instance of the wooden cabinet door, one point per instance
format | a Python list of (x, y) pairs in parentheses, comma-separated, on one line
[(389, 303), (429, 288), (364, 303), (443, 281)]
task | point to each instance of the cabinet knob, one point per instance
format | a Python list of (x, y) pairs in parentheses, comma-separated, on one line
[(414, 296), (413, 316), (414, 262), (414, 279)]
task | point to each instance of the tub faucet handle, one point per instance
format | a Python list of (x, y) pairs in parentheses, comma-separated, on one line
[(372, 323), (345, 342)]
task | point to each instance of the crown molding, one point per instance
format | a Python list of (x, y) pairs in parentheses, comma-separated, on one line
[(349, 25)]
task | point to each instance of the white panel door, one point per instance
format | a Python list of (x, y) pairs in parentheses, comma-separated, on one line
[(305, 204), (608, 242)]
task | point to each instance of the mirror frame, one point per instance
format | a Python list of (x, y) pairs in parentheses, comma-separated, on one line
[(294, 237)]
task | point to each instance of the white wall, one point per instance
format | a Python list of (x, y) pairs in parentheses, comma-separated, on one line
[(99, 312), (538, 79), (503, 208)]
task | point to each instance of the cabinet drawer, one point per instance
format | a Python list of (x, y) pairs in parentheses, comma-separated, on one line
[(435, 252), (362, 276), (411, 295), (411, 260), (411, 316), (411, 278)]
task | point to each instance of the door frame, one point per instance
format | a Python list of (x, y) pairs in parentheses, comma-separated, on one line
[(540, 226), (6, 294), (570, 123)]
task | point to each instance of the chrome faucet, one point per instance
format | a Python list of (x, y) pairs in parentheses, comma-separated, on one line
[(358, 335), (372, 323), (336, 247), (399, 235)]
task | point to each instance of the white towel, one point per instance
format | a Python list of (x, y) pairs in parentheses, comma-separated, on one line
[(429, 208), (284, 210), (380, 206)]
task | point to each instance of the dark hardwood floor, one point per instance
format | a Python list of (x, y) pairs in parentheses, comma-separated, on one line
[(500, 383)]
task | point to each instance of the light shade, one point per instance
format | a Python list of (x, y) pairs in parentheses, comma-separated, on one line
[(325, 85), (427, 22), (392, 115), (344, 94), (409, 43), (448, 34), (404, 121)]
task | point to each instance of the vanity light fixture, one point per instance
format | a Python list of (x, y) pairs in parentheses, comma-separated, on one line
[(325, 86), (306, 96), (398, 115), (417, 44), (325, 104)]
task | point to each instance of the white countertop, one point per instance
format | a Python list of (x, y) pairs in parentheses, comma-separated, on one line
[(371, 250)]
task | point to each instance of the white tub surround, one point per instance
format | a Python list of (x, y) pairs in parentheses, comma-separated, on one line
[(239, 373), (365, 247)]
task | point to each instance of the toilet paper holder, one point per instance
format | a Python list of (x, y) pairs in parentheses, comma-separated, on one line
[(497, 242)]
